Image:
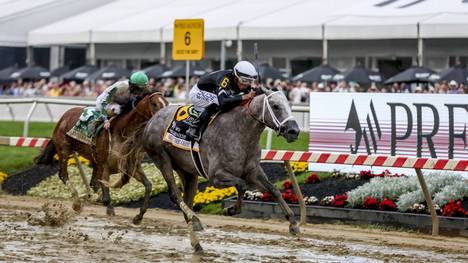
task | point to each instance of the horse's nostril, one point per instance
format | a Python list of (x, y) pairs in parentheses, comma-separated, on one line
[(293, 132)]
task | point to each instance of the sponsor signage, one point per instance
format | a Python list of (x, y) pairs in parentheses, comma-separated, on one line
[(414, 125)]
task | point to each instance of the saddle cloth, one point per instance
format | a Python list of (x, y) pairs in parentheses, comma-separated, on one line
[(87, 126), (176, 130)]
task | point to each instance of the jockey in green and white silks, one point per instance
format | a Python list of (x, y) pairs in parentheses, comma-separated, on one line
[(120, 94)]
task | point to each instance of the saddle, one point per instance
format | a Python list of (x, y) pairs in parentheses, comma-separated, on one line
[(86, 127), (175, 134), (176, 130)]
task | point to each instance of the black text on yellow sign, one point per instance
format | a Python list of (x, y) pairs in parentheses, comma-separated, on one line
[(189, 43)]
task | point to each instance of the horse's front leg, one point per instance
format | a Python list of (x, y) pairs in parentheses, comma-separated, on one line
[(223, 179), (106, 200), (263, 183), (141, 177)]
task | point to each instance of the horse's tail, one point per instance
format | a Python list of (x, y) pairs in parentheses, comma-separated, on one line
[(46, 157), (130, 156)]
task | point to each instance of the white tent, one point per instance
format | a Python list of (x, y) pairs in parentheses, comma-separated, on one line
[(19, 17), (301, 20), (77, 29), (146, 26), (132, 21), (397, 19), (222, 23), (446, 25)]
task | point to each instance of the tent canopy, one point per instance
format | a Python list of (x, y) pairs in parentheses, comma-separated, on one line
[(132, 21)]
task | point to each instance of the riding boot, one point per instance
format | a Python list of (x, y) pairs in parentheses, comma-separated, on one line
[(200, 124)]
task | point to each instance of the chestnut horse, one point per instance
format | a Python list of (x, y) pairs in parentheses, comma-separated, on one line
[(104, 156)]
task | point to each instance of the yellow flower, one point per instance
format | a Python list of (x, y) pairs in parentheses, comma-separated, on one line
[(3, 176), (212, 194)]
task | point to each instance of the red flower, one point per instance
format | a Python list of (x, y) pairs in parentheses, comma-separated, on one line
[(453, 208), (312, 179), (287, 185), (290, 197), (266, 197), (370, 203), (366, 175), (387, 205), (339, 200)]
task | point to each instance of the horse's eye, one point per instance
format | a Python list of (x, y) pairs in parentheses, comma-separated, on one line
[(276, 107)]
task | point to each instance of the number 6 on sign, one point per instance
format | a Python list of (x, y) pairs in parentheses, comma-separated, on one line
[(188, 43)]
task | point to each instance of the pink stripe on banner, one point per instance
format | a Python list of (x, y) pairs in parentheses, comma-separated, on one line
[(323, 158), (360, 159), (461, 166), (20, 141), (420, 163), (305, 157), (287, 156), (270, 155), (440, 164), (33, 142), (399, 162), (342, 158), (379, 161)]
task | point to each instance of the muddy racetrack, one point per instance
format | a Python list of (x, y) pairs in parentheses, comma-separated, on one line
[(162, 237)]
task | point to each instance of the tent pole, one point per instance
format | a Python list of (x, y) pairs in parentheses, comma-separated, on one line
[(324, 46), (420, 47), (222, 59), (239, 42), (162, 49)]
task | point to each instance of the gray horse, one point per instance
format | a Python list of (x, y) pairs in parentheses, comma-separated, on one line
[(230, 152)]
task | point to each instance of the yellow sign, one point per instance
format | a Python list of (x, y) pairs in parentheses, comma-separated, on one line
[(188, 43)]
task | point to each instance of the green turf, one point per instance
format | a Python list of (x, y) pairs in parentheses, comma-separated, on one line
[(279, 143), (13, 159), (36, 129)]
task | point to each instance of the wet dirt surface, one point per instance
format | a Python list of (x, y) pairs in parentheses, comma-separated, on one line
[(163, 237)]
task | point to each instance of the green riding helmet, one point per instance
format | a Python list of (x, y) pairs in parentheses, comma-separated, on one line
[(139, 79)]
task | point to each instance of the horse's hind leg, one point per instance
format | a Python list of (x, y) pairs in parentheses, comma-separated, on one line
[(224, 179), (141, 177), (163, 162), (190, 190), (265, 184), (63, 154)]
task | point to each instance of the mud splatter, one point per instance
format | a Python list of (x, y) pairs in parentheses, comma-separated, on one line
[(52, 213)]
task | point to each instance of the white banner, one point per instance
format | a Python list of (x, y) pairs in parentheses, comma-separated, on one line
[(416, 125)]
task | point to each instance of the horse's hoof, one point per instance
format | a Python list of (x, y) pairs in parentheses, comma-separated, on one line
[(230, 211), (197, 249), (110, 211), (196, 224), (77, 206), (294, 229), (137, 220)]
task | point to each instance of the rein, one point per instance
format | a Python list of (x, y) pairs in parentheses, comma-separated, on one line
[(266, 105)]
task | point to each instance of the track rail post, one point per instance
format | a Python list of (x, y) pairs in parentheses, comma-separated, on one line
[(428, 197), (297, 191)]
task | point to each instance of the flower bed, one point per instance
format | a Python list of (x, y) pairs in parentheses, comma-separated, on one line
[(52, 187), (383, 191)]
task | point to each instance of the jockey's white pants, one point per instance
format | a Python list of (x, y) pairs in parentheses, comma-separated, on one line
[(201, 99)]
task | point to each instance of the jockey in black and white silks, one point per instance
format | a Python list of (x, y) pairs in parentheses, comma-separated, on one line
[(221, 90)]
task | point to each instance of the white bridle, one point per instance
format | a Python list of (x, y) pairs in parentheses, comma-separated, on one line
[(266, 105)]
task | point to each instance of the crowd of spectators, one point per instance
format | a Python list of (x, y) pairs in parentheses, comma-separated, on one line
[(297, 92)]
